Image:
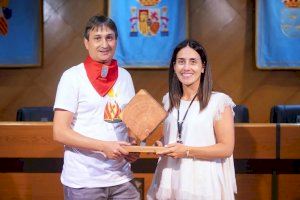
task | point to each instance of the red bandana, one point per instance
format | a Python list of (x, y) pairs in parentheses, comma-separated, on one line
[(101, 76)]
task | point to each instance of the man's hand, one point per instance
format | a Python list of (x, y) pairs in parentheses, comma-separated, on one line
[(158, 143), (114, 150), (132, 157)]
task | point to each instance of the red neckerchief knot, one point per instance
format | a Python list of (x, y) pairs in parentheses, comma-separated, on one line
[(101, 76)]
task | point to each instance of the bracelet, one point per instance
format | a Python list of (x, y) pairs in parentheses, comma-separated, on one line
[(187, 152)]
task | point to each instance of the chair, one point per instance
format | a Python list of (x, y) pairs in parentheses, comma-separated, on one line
[(44, 114), (285, 114), (241, 114)]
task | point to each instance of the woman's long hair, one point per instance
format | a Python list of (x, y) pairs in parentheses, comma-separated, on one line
[(205, 84)]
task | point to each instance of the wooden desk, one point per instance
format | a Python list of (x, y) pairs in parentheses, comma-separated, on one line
[(28, 140), (255, 141), (290, 141), (31, 161)]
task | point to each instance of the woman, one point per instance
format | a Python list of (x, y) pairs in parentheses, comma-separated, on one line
[(198, 133)]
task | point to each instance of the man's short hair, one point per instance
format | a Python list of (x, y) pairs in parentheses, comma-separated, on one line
[(99, 21)]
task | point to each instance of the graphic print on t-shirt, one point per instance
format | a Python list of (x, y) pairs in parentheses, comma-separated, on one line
[(112, 109)]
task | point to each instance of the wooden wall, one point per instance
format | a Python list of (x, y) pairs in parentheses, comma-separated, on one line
[(226, 28)]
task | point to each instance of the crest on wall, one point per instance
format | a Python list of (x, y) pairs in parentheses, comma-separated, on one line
[(290, 18), (149, 19), (5, 14)]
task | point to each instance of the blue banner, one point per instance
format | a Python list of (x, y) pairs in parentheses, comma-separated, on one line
[(21, 33), (278, 34), (148, 30)]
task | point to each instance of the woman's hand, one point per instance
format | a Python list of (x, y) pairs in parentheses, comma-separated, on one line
[(175, 150)]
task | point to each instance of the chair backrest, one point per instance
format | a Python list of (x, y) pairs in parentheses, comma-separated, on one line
[(285, 114), (241, 114), (44, 113)]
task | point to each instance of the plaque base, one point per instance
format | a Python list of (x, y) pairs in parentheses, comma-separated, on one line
[(144, 149)]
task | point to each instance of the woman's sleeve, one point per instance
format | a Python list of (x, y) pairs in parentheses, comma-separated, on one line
[(223, 102)]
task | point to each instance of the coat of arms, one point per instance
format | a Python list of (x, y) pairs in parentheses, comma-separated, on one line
[(148, 19), (290, 18)]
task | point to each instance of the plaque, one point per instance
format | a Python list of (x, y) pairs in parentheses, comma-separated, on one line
[(142, 115)]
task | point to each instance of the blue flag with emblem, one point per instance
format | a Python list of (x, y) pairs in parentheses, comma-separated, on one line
[(148, 30), (278, 34)]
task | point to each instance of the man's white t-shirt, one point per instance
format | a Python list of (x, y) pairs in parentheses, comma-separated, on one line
[(94, 117)]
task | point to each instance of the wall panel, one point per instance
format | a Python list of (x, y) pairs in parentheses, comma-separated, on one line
[(226, 29)]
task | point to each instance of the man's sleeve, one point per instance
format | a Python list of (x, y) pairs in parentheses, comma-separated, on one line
[(67, 93)]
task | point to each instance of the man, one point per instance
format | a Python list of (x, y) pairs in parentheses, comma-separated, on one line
[(88, 102)]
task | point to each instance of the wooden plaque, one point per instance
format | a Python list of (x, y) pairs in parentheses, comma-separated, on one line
[(142, 115)]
